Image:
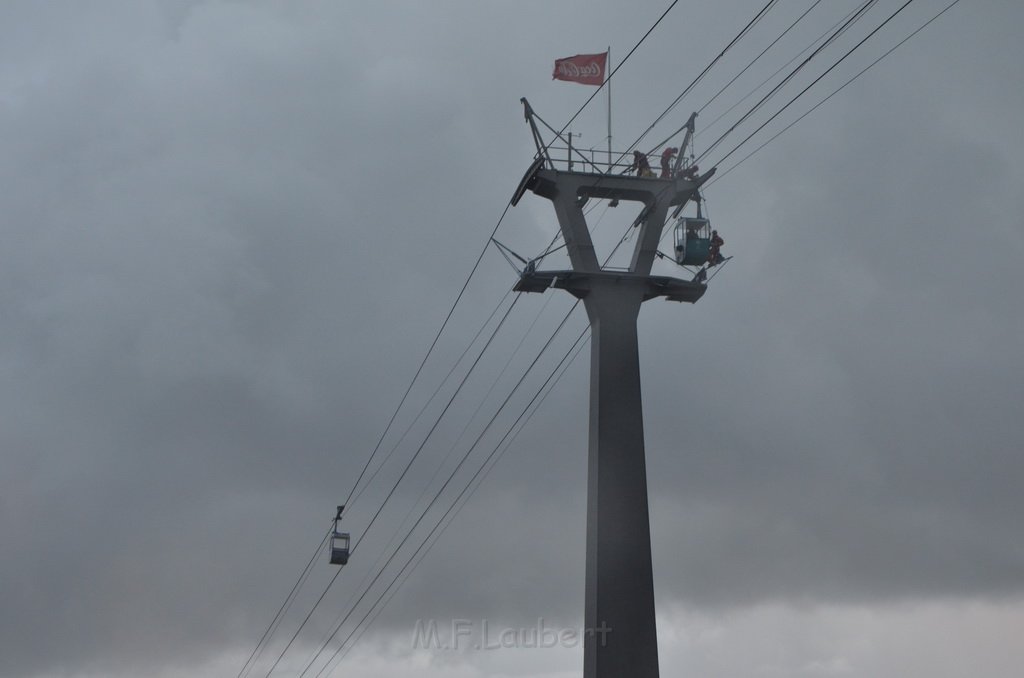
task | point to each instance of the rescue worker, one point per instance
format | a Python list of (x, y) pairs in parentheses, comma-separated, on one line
[(689, 173), (714, 249), (666, 161), (640, 164)]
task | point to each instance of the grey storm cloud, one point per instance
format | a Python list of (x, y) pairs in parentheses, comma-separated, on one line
[(231, 230)]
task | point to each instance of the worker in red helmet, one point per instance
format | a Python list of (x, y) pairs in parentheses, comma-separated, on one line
[(666, 161)]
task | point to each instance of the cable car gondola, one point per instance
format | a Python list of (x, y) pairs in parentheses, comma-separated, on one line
[(694, 241), (339, 546)]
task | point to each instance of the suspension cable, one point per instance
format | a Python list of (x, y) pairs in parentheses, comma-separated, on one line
[(394, 487), (429, 400), (865, 6), (561, 368), (755, 59), (281, 611), (818, 79), (781, 68), (443, 487), (430, 350), (836, 91), (750, 24), (467, 492)]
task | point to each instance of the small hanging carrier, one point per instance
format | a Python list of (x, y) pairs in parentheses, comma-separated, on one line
[(693, 240), (339, 546)]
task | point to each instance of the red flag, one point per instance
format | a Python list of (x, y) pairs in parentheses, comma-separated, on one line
[(586, 69)]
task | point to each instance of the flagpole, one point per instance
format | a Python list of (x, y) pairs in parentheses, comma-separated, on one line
[(609, 109)]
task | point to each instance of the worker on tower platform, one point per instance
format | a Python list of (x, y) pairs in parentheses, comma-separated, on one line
[(689, 172), (640, 164), (666, 161)]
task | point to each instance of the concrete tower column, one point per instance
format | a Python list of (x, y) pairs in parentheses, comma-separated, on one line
[(621, 633)]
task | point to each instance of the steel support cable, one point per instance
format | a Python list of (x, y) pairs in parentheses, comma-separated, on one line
[(304, 622), (867, 4), (429, 400), (419, 499), (693, 83), (429, 483), (430, 350), (460, 501), (281, 611), (379, 606), (561, 368), (764, 82), (401, 403), (836, 91), (437, 471), (818, 79), (397, 483), (437, 422), (494, 384), (465, 351), (755, 59), (547, 251), (275, 622), (448, 481), (400, 478)]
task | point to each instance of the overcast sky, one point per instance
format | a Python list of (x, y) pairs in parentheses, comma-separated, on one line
[(231, 229)]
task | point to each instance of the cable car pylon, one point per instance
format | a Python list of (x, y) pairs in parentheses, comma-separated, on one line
[(620, 636)]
